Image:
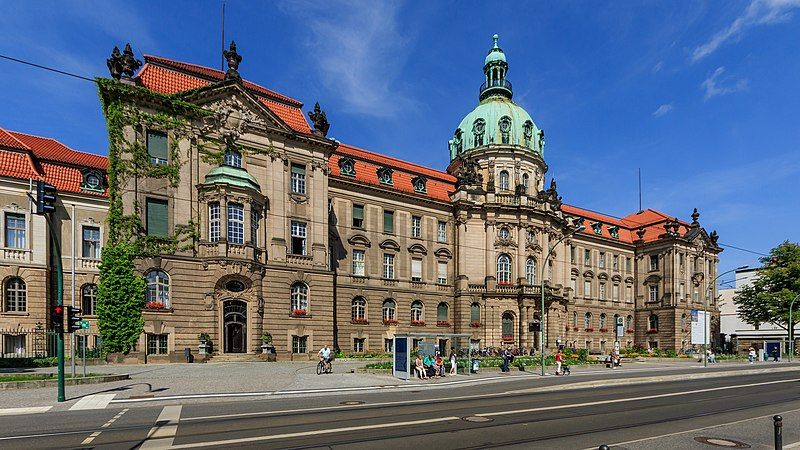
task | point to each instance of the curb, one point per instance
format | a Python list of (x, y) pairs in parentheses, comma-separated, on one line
[(33, 384), (655, 379)]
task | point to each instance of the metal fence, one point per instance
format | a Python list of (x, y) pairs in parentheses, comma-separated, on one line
[(41, 343)]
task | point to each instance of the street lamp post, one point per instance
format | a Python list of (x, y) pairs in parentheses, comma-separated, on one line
[(706, 322), (577, 229), (791, 328)]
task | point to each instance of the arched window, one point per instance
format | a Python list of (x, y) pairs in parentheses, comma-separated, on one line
[(504, 180), (530, 270), (683, 322), (442, 312), (527, 133), (505, 129), (629, 323), (478, 128), (475, 313), (299, 297), (504, 233), (504, 269), (602, 320), (157, 290), (389, 310), (232, 158), (652, 323), (587, 320), (574, 319), (525, 183), (89, 299), (508, 327), (614, 323), (458, 141), (16, 295), (359, 309), (416, 312)]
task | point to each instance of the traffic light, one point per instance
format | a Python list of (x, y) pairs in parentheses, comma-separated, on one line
[(57, 319), (45, 197), (73, 319)]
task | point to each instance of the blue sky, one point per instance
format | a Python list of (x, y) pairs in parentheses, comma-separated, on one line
[(702, 96)]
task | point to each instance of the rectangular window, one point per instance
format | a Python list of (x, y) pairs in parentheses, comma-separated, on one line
[(298, 238), (601, 262), (627, 264), (442, 232), (358, 345), (696, 295), (14, 344), (358, 216), (255, 223), (628, 293), (442, 278), (358, 263), (573, 283), (388, 221), (615, 262), (587, 288), (696, 264), (388, 345), (299, 344), (681, 261), (235, 223), (572, 257), (587, 257), (214, 220), (15, 230), (602, 292), (388, 266), (681, 291), (157, 344), (653, 262), (91, 242), (653, 293), (298, 178), (157, 222), (615, 292), (416, 226), (416, 269), (157, 147)]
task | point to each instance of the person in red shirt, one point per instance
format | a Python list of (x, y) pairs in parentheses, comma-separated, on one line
[(559, 360)]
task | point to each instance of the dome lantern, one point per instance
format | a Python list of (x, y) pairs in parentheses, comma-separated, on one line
[(495, 67)]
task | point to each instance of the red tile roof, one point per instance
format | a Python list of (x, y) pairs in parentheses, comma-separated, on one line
[(650, 220), (8, 140), (17, 165), (169, 77), (438, 187), (49, 149)]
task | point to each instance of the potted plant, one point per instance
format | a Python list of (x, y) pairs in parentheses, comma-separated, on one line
[(266, 343), (205, 343)]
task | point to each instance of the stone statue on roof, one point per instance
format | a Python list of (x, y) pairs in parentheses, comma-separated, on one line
[(468, 174), (129, 63), (114, 63), (320, 121), (233, 58)]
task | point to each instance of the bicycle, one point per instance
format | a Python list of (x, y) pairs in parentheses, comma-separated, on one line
[(323, 367)]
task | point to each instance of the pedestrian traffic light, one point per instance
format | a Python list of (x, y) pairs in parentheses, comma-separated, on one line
[(73, 319), (45, 197), (57, 319)]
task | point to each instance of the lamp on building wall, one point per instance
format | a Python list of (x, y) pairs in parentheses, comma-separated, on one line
[(578, 227), (706, 322)]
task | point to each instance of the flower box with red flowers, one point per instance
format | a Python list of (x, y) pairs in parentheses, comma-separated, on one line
[(603, 330), (505, 283), (589, 329), (442, 323), (629, 331), (418, 323), (299, 312), (154, 305), (359, 321), (652, 331), (390, 321), (475, 324)]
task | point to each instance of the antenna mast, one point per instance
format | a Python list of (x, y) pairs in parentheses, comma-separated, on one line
[(640, 189), (222, 57)]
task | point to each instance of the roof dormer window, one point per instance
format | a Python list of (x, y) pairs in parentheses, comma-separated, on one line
[(92, 181), (419, 184), (347, 167), (232, 158), (385, 176), (597, 227)]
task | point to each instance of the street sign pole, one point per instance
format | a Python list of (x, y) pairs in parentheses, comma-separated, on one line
[(56, 252), (85, 338)]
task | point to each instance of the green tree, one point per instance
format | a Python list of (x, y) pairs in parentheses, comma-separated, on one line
[(120, 298), (767, 299)]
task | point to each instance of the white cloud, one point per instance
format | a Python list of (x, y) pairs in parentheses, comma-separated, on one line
[(657, 68), (717, 84), (360, 50), (663, 109), (759, 12)]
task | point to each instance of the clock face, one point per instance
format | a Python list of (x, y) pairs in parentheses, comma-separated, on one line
[(93, 181)]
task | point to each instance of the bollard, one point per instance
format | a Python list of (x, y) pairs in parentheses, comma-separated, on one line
[(778, 432), (603, 447)]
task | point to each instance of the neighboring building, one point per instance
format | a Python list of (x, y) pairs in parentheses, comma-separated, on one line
[(24, 267), (320, 242)]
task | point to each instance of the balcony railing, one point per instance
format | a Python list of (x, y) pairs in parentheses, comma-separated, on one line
[(224, 249), (487, 85), (16, 254)]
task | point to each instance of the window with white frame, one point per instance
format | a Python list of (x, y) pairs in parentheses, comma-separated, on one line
[(442, 273), (681, 291), (214, 220), (504, 269), (504, 180), (530, 271), (652, 322), (235, 223), (573, 283), (572, 257), (442, 231), (255, 224), (89, 299), (91, 242), (416, 269), (299, 344), (587, 320), (157, 147), (417, 311), (587, 288), (389, 309), (615, 262), (475, 313), (601, 261), (627, 264), (358, 216), (158, 289), (157, 344), (525, 182), (696, 294), (388, 345), (298, 179), (299, 298), (615, 292), (416, 226), (629, 293), (653, 289), (232, 158), (602, 291), (358, 263), (388, 266), (16, 296), (298, 238), (653, 262), (15, 230), (602, 320), (358, 309), (587, 257), (358, 345)]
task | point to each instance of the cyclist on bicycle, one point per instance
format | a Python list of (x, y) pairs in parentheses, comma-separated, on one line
[(325, 355)]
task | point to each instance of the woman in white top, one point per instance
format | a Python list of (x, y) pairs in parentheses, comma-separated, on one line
[(453, 364)]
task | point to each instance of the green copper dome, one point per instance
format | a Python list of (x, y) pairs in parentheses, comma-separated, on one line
[(233, 176), (497, 120)]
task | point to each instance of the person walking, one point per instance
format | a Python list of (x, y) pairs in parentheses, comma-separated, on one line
[(751, 355), (559, 361), (453, 361), (507, 357)]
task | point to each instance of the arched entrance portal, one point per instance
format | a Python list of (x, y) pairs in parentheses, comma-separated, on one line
[(234, 319), (508, 328)]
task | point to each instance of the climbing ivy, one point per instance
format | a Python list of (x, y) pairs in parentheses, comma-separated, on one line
[(121, 296)]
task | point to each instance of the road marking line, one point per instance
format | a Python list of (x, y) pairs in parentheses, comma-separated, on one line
[(29, 410), (91, 437), (312, 433), (163, 433), (795, 445), (96, 401), (630, 399)]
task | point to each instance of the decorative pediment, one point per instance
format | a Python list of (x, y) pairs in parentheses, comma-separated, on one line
[(602, 276), (533, 246), (443, 253), (575, 272), (654, 278), (390, 244), (418, 249), (616, 278), (629, 280), (359, 240), (588, 274)]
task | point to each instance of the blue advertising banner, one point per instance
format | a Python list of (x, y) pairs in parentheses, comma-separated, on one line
[(401, 358)]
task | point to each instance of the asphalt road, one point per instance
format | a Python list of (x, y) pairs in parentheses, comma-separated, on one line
[(483, 416)]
